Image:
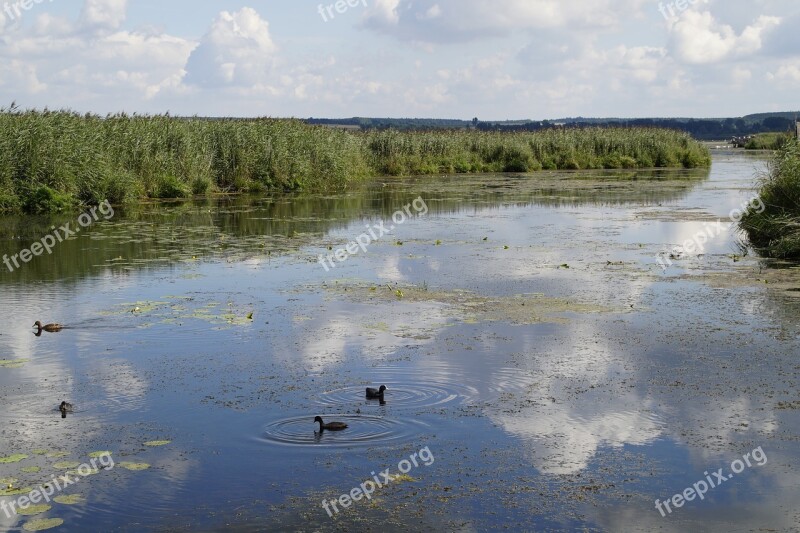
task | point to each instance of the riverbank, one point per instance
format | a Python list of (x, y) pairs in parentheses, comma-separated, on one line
[(59, 160), (775, 232)]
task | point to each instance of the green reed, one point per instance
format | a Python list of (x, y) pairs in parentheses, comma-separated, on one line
[(56, 160)]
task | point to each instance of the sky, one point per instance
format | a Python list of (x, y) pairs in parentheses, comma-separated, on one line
[(491, 59)]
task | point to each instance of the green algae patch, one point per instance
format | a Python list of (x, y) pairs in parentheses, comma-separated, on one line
[(71, 499), (157, 443), (39, 451), (16, 458), (31, 469), (42, 524), (12, 363), (5, 481), (97, 455), (66, 465), (135, 467), (33, 510), (469, 307)]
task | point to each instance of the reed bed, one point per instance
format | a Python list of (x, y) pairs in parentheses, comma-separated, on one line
[(56, 160), (775, 232)]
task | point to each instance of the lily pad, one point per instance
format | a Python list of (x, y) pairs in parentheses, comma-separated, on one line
[(15, 492), (13, 458), (57, 455), (33, 510), (31, 469), (86, 472), (41, 524), (39, 452), (71, 499), (7, 480), (66, 465), (12, 363), (136, 467), (97, 455), (156, 443)]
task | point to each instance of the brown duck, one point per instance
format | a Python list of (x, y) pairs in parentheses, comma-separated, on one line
[(50, 328), (330, 426)]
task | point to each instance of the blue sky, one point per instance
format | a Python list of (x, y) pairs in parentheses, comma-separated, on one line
[(499, 59)]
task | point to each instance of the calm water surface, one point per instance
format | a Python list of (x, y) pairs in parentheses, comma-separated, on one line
[(557, 377)]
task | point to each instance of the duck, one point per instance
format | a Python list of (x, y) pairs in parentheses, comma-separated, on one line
[(376, 393), (330, 426), (65, 407), (50, 328)]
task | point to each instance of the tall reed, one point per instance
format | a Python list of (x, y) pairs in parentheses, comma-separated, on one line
[(54, 160), (775, 231)]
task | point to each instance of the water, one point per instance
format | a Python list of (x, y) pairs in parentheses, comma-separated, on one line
[(524, 331)]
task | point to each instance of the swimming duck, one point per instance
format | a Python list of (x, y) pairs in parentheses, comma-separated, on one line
[(376, 393), (50, 328), (65, 407), (330, 426)]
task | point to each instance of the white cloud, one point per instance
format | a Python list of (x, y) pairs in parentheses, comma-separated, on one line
[(698, 38), (237, 51), (464, 20)]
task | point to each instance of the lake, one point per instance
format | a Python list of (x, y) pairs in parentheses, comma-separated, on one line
[(543, 371)]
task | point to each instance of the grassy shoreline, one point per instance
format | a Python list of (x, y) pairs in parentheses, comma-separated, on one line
[(775, 232), (59, 160)]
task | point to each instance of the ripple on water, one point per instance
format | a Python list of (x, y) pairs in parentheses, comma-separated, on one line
[(361, 431), (432, 387)]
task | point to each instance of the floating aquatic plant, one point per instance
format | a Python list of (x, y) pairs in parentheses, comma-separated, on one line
[(12, 363), (42, 524), (57, 455), (71, 499), (15, 492), (156, 443), (97, 455), (31, 469), (16, 458), (135, 467), (33, 510)]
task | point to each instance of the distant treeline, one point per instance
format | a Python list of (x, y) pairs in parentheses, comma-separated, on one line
[(702, 129), (53, 161)]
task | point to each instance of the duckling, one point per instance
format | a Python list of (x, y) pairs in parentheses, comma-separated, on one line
[(65, 408), (330, 426), (50, 328), (376, 393)]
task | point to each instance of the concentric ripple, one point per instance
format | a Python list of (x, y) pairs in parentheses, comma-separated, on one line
[(433, 386), (362, 431)]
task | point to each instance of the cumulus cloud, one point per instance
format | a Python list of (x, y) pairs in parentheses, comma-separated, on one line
[(464, 20), (698, 38), (103, 14), (237, 51)]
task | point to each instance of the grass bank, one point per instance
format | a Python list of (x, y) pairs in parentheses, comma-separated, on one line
[(768, 141), (56, 160), (775, 232)]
